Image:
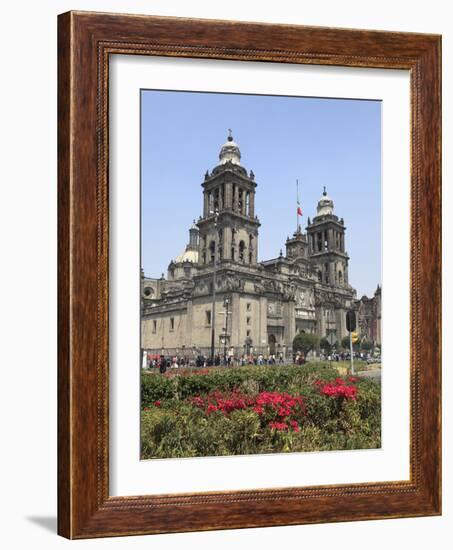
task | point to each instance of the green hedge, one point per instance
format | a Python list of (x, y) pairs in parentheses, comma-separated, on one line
[(252, 379)]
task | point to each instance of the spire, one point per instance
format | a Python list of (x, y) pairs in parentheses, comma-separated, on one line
[(324, 192), (230, 134)]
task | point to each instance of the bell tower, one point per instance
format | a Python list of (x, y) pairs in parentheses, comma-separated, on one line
[(228, 225), (326, 245)]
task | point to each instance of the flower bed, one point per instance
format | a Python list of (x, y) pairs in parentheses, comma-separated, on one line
[(258, 410)]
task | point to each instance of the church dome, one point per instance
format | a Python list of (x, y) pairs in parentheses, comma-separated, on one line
[(230, 151), (325, 205), (187, 256)]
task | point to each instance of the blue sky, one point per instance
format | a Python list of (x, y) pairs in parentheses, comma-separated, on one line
[(331, 142)]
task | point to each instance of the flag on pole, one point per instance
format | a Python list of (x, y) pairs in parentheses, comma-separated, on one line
[(299, 209)]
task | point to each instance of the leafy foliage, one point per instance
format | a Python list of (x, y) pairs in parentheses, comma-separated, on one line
[(305, 342), (325, 345), (251, 410), (345, 342)]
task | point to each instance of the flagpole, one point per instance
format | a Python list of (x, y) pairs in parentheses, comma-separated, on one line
[(297, 202)]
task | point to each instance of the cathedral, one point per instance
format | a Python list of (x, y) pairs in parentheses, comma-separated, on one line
[(218, 296)]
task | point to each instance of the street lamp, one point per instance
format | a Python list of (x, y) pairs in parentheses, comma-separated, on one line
[(226, 304)]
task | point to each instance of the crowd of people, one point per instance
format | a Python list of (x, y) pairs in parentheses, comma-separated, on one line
[(163, 363), (344, 356)]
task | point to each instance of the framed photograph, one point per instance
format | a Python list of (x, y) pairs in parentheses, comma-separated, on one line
[(249, 275)]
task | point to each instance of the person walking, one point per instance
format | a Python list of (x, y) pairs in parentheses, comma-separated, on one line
[(162, 365)]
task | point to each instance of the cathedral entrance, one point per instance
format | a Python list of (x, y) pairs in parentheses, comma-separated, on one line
[(271, 342)]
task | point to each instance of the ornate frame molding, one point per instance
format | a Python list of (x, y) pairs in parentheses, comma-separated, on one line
[(86, 40)]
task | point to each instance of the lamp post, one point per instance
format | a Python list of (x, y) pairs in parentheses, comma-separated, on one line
[(226, 304), (214, 284)]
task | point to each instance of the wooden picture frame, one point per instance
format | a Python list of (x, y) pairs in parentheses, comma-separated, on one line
[(85, 42)]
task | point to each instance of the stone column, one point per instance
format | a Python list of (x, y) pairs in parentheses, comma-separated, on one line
[(332, 271), (205, 205), (236, 198), (320, 322), (228, 194), (262, 333), (289, 322), (252, 204), (235, 321), (255, 249), (340, 321), (187, 340), (227, 243)]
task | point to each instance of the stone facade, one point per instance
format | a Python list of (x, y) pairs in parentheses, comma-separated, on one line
[(256, 306), (369, 317)]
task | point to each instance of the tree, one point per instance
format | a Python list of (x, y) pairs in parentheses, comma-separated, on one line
[(345, 342), (366, 345), (305, 342), (356, 346), (324, 344)]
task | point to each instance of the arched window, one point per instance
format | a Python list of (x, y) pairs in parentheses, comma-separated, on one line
[(247, 204), (241, 250), (320, 276), (240, 200), (212, 251), (232, 253), (340, 277)]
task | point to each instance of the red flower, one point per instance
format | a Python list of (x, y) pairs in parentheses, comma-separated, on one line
[(338, 389), (294, 425), (274, 407), (157, 403), (279, 426)]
